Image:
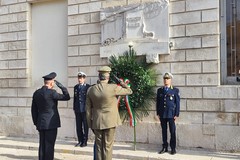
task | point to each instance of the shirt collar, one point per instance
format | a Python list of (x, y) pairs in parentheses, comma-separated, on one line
[(104, 81), (170, 87)]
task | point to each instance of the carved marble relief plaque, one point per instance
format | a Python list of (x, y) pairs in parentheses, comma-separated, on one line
[(145, 25)]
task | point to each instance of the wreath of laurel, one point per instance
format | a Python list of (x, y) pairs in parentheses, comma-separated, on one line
[(142, 80)]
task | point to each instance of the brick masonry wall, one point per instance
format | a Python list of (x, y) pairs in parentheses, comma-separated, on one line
[(14, 66), (207, 108)]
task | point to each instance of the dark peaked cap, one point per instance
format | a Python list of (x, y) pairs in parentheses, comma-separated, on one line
[(50, 76)]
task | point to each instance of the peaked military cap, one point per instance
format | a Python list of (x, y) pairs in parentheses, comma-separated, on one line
[(105, 69), (167, 75), (50, 76), (81, 74)]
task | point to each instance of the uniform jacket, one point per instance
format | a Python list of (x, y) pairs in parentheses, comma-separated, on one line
[(168, 103), (101, 105), (44, 107), (79, 99)]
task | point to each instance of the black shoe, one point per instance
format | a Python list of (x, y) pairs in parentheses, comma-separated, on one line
[(173, 151), (163, 150), (83, 144), (78, 144)]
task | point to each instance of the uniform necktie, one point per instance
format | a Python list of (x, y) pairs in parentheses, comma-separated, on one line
[(165, 89), (80, 86)]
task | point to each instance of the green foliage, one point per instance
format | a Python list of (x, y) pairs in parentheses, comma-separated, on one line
[(142, 80)]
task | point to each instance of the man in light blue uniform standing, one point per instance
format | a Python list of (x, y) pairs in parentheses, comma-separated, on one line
[(168, 108)]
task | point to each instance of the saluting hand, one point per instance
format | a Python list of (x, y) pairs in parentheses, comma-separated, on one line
[(124, 85), (58, 84)]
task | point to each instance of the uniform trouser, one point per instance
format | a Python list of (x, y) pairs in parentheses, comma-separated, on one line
[(94, 151), (81, 125), (172, 129), (46, 144), (104, 140)]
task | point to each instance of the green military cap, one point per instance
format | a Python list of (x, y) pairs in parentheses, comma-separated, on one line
[(105, 69), (167, 75)]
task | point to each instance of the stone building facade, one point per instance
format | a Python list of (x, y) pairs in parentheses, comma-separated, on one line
[(210, 109)]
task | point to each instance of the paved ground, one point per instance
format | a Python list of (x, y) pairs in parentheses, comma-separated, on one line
[(13, 148)]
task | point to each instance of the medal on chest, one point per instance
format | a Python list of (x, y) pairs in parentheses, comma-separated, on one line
[(170, 96)]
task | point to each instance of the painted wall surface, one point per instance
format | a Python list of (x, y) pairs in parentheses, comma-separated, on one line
[(49, 40), (207, 108)]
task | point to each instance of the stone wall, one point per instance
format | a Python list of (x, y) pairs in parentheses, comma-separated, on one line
[(209, 111)]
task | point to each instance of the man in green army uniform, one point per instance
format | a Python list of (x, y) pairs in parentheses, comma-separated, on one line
[(102, 112)]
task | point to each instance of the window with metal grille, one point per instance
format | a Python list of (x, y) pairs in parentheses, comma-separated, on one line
[(230, 41)]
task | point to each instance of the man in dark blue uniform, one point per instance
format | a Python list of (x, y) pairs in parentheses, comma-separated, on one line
[(168, 107), (79, 107), (45, 114)]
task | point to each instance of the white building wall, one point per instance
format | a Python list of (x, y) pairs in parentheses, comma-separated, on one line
[(49, 40), (209, 111)]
